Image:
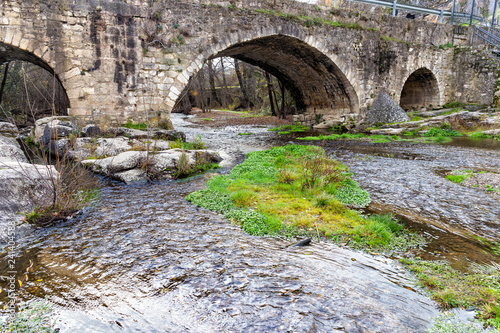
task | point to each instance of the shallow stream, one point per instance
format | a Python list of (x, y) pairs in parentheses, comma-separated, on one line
[(145, 260)]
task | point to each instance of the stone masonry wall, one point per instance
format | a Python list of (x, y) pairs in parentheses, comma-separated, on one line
[(100, 50)]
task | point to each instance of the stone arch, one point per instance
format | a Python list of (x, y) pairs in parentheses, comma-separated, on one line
[(320, 82), (420, 90), (10, 53)]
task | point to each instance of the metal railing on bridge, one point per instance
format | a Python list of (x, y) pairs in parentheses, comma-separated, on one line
[(431, 11)]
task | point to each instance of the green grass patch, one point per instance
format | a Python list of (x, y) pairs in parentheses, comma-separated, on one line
[(478, 286), (287, 129), (309, 21), (441, 132), (459, 176), (351, 136), (137, 126), (297, 189), (34, 317), (454, 110), (195, 145), (453, 105), (249, 133), (480, 135)]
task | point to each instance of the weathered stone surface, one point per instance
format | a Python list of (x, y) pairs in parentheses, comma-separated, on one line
[(108, 72), (132, 176), (170, 135), (8, 129), (389, 131), (463, 119), (121, 162), (22, 186), (57, 129), (135, 165), (10, 151), (41, 123), (385, 110), (91, 130), (112, 146), (492, 132), (129, 133)]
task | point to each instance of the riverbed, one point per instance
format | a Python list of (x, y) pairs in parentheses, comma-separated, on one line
[(146, 260)]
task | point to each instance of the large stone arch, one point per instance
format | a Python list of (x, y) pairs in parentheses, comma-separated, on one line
[(321, 81), (420, 90), (10, 52)]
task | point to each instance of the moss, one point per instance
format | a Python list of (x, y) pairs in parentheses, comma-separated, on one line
[(297, 189), (310, 21)]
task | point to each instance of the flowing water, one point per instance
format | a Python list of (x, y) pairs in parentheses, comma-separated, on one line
[(145, 260)]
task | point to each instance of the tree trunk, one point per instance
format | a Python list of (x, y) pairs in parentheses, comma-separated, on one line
[(211, 80), (249, 71), (246, 101), (282, 86), (270, 92), (201, 90), (4, 80), (224, 83)]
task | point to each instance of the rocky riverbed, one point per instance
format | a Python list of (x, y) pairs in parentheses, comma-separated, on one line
[(147, 260)]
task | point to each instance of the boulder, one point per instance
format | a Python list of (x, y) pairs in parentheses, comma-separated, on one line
[(8, 129), (112, 146), (134, 166), (492, 131), (133, 176), (42, 122), (91, 130), (57, 129), (10, 151), (385, 110), (128, 132), (121, 162), (170, 135), (22, 187)]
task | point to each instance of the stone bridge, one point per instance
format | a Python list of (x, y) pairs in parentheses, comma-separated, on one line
[(120, 58)]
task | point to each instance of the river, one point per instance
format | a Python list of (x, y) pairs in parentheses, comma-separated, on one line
[(145, 260)]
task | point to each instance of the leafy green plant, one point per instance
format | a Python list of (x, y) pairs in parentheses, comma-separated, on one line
[(437, 132), (33, 317)]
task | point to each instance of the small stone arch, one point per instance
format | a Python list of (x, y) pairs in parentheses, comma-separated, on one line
[(318, 82), (420, 90), (10, 53)]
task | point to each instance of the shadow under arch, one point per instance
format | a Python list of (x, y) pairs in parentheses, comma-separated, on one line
[(9, 53), (315, 81), (421, 90)]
